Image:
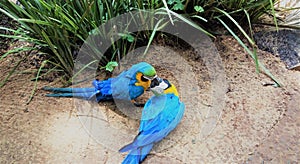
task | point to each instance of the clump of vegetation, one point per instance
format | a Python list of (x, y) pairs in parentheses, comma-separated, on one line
[(58, 28)]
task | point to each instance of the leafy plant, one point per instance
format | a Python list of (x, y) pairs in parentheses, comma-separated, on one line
[(110, 66), (59, 27)]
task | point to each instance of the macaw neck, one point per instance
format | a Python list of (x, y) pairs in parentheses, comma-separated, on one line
[(171, 90)]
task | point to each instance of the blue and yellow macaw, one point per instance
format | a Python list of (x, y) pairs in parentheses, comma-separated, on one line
[(128, 85), (161, 114)]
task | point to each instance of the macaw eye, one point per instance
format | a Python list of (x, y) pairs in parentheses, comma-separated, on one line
[(144, 79)]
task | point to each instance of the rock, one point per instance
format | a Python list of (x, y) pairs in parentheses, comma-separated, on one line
[(284, 43)]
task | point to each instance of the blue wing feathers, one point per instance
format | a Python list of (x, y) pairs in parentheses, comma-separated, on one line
[(123, 87), (154, 129)]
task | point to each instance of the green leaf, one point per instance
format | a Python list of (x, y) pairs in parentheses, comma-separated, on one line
[(110, 66), (170, 2), (199, 9), (178, 6), (128, 37)]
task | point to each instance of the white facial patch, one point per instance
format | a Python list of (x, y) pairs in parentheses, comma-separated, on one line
[(150, 78), (160, 88)]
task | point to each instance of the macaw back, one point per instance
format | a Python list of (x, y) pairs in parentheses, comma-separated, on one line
[(123, 87), (160, 116)]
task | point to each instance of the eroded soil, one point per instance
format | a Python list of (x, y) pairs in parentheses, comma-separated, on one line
[(257, 123)]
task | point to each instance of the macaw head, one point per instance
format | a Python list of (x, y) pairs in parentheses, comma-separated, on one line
[(161, 86), (147, 70), (144, 74)]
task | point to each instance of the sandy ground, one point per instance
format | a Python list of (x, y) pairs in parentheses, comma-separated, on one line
[(256, 124)]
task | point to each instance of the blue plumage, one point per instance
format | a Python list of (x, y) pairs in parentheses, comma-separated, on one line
[(101, 89), (137, 155), (160, 116), (126, 86)]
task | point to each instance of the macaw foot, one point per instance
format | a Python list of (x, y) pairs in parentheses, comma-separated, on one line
[(137, 104)]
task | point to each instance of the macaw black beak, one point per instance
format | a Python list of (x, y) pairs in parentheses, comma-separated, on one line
[(155, 82)]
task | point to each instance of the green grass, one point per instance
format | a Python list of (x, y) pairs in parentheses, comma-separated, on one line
[(59, 27)]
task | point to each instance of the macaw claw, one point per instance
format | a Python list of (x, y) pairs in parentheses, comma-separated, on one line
[(139, 104)]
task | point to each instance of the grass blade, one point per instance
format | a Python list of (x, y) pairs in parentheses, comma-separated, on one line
[(266, 71), (156, 28), (36, 80)]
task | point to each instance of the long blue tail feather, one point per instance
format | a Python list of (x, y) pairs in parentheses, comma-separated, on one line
[(69, 90), (145, 151), (128, 147), (137, 156), (86, 95), (100, 89)]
